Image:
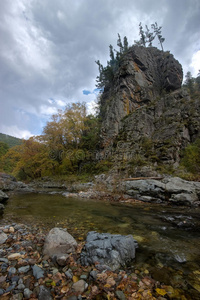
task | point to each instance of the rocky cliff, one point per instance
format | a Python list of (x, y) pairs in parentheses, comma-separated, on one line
[(147, 118)]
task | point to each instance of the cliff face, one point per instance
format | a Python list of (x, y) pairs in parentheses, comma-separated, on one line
[(145, 112)]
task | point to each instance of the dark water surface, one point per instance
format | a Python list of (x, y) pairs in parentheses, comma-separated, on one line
[(168, 237)]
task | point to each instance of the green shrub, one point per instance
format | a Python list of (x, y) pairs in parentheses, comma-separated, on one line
[(191, 157)]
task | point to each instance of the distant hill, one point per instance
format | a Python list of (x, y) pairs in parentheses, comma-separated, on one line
[(10, 140)]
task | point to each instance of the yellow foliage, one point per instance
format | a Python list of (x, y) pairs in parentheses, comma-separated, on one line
[(161, 292), (75, 278)]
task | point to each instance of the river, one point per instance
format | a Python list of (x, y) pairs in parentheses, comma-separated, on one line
[(168, 237)]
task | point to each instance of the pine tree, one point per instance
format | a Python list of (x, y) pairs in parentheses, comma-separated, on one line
[(125, 44), (119, 44), (157, 31), (149, 36), (142, 35), (189, 82)]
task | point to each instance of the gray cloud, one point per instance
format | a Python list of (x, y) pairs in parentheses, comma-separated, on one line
[(48, 49)]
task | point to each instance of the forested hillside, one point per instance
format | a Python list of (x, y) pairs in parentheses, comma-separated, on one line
[(10, 140)]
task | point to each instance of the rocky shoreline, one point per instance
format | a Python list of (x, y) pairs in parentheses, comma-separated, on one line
[(26, 272), (167, 190)]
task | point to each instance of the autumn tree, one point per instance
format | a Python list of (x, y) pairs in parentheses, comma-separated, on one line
[(10, 159), (65, 130), (34, 160)]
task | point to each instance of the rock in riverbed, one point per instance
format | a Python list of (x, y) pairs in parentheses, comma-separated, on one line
[(109, 250), (170, 189)]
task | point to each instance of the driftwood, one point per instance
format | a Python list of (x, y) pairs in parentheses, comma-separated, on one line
[(142, 178)]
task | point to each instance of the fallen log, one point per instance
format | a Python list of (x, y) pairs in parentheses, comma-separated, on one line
[(142, 178)]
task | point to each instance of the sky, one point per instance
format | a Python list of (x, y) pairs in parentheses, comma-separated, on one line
[(48, 50)]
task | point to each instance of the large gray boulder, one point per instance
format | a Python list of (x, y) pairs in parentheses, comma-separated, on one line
[(9, 183), (171, 189), (59, 242), (108, 250)]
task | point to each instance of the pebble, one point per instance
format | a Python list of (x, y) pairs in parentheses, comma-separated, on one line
[(11, 271), (37, 272), (2, 292), (120, 295), (27, 293), (14, 256), (2, 259), (18, 296), (93, 275), (69, 274), (80, 286), (24, 269), (21, 286), (15, 279), (4, 267), (3, 238), (2, 279), (11, 229), (11, 287), (84, 277), (44, 293)]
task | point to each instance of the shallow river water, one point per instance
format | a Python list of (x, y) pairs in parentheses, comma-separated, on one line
[(168, 237)]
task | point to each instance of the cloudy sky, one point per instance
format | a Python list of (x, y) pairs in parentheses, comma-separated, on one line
[(48, 50)]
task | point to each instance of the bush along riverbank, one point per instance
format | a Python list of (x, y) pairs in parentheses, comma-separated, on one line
[(51, 265)]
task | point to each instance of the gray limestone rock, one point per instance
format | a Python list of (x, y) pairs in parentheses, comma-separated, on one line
[(59, 242), (37, 272), (169, 189), (107, 249), (3, 238)]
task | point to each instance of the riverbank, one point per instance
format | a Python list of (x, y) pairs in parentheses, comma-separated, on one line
[(167, 235), (26, 273)]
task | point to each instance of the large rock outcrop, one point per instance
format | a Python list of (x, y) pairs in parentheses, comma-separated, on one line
[(143, 75), (172, 190), (146, 115)]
